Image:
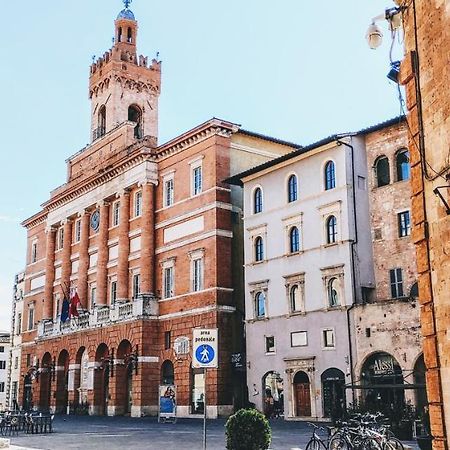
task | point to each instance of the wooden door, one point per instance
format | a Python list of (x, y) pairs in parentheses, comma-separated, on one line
[(302, 399)]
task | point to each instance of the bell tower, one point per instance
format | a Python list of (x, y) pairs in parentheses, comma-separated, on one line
[(124, 87)]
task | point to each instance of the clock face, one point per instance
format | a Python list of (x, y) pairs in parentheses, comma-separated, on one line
[(95, 220)]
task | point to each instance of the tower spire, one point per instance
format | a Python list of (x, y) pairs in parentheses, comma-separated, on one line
[(127, 3)]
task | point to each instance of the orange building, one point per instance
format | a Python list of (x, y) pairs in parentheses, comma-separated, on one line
[(147, 236)]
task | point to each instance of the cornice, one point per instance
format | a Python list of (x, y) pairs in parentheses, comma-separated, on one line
[(35, 220)]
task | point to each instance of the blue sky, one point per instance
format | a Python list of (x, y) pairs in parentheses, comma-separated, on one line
[(286, 68)]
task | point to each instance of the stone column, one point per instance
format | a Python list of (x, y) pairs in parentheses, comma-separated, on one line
[(66, 266), (124, 247), (83, 266), (103, 255), (148, 239), (49, 273)]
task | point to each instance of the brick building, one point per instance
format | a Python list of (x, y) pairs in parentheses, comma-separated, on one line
[(425, 73), (147, 236)]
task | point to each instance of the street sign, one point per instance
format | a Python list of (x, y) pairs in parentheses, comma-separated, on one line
[(205, 348)]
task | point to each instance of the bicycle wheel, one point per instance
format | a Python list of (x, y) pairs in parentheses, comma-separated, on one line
[(393, 444), (338, 442), (371, 443), (313, 444)]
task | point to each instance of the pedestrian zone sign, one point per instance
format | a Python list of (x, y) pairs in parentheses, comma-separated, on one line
[(204, 348)]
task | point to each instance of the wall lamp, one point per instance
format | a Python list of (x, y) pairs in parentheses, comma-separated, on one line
[(374, 36)]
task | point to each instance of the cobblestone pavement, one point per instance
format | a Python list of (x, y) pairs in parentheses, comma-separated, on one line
[(114, 433)]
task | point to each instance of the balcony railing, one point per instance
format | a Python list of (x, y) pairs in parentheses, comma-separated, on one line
[(144, 306)]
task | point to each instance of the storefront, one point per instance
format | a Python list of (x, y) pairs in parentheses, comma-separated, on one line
[(273, 397), (333, 393)]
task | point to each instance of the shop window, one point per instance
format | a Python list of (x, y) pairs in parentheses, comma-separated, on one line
[(404, 224), (330, 175), (257, 201), (396, 279), (402, 163), (292, 189)]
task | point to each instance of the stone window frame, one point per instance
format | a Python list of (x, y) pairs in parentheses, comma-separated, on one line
[(194, 256), (254, 233), (297, 279), (196, 163), (326, 211), (168, 263), (323, 338), (166, 178), (289, 223), (257, 207), (77, 231), (328, 274), (254, 289), (266, 347), (137, 203), (325, 165)]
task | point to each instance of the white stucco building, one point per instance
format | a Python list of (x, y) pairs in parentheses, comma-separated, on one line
[(4, 359), (307, 261), (14, 380)]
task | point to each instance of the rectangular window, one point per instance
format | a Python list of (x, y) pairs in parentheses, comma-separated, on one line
[(396, 279), (138, 204), (116, 214), (34, 252), (113, 292), (299, 339), (60, 243), (31, 319), (270, 344), (328, 338), (2, 349), (197, 180), (2, 365), (93, 296), (19, 324), (136, 285), (14, 391), (78, 230), (197, 275), (2, 387), (16, 362), (167, 340), (404, 224), (168, 282), (168, 192), (28, 360)]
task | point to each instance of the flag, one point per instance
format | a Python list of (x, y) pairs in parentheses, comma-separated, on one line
[(74, 302), (65, 310)]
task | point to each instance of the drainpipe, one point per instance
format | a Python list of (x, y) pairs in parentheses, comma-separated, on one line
[(352, 256)]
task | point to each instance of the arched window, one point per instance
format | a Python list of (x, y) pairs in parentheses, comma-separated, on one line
[(331, 230), (292, 188), (135, 115), (101, 122), (119, 36), (260, 304), (330, 175), (402, 163), (167, 373), (382, 171), (294, 240), (257, 201), (130, 36), (333, 297), (295, 300), (259, 249)]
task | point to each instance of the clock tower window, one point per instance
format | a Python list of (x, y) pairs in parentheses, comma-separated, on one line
[(130, 36), (135, 115)]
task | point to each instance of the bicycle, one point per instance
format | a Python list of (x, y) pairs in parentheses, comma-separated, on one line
[(316, 442)]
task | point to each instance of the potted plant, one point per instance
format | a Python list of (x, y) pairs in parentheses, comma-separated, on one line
[(248, 429)]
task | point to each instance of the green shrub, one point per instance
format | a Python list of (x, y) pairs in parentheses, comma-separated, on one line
[(248, 429)]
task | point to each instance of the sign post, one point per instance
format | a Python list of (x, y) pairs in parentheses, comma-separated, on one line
[(205, 355)]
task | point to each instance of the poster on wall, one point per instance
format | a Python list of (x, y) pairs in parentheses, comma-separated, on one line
[(167, 411)]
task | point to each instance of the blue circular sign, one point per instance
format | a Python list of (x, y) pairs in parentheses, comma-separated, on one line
[(204, 354)]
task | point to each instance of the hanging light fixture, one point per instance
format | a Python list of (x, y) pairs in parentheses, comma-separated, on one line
[(374, 36)]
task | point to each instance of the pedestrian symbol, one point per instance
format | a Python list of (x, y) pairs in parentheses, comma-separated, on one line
[(204, 354)]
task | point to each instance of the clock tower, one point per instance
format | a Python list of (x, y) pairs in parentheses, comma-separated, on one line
[(123, 86)]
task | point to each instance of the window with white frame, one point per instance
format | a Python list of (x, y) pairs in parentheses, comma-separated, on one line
[(116, 214), (259, 249), (197, 269), (333, 285), (113, 292), (294, 240), (270, 344), (257, 200), (328, 340), (30, 317), (396, 280), (169, 191), (34, 252), (331, 228), (260, 305), (138, 204), (60, 238), (168, 278), (333, 294), (93, 296), (299, 339), (404, 224), (57, 304), (330, 175), (136, 285), (77, 233), (292, 188), (197, 180), (295, 292)]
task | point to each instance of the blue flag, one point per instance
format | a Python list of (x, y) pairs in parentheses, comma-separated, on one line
[(65, 310)]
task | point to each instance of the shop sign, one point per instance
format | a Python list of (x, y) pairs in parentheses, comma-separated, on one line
[(238, 361), (383, 366)]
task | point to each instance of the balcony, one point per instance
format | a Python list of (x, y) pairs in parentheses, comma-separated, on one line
[(101, 316)]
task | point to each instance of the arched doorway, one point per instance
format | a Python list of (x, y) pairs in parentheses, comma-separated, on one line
[(302, 395), (273, 394), (62, 383), (101, 380), (135, 115), (45, 383), (167, 373), (80, 382), (124, 378), (333, 393), (420, 382), (382, 378)]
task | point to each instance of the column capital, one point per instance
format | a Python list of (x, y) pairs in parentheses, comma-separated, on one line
[(146, 182), (51, 229), (123, 192), (67, 220), (101, 203)]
